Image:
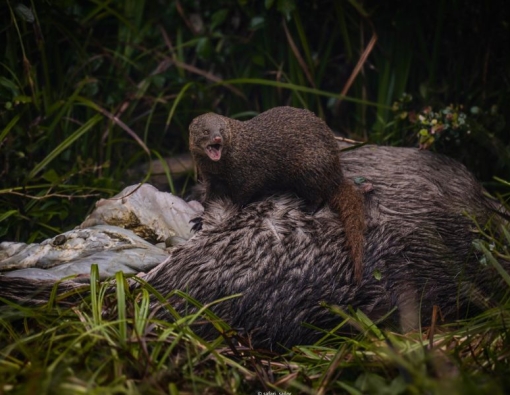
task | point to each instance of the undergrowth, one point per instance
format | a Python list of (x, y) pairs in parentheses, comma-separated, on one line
[(89, 90), (112, 343)]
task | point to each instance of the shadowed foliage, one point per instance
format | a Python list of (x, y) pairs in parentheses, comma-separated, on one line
[(88, 89)]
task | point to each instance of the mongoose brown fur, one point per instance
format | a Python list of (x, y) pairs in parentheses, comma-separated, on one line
[(282, 149)]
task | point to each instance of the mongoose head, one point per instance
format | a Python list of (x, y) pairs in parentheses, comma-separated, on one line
[(208, 136)]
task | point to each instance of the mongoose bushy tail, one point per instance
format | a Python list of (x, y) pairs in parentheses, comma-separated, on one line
[(284, 149), (348, 203)]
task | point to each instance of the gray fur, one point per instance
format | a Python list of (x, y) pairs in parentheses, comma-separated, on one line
[(418, 238), (286, 262)]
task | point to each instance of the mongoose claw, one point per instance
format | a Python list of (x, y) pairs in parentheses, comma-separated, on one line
[(197, 224)]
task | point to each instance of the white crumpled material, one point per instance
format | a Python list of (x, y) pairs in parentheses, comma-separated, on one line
[(118, 235)]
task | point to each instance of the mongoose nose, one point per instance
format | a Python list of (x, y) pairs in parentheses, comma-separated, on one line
[(216, 139)]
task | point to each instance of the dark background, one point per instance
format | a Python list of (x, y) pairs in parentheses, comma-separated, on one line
[(89, 91)]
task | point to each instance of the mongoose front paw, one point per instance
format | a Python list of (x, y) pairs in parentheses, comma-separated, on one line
[(197, 224)]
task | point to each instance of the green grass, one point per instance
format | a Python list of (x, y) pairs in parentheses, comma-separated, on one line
[(82, 349), (91, 89)]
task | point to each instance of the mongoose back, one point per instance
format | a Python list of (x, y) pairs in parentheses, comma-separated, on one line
[(282, 149)]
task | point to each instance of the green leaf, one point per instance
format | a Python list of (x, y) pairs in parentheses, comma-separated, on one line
[(9, 126), (7, 214), (158, 81), (494, 262), (258, 60), (286, 7), (51, 176), (176, 102), (268, 4), (91, 89), (22, 99), (121, 306), (504, 182), (204, 48), (424, 90), (218, 18), (24, 13), (257, 22), (377, 274), (359, 8), (66, 144), (94, 294), (369, 324), (142, 312), (10, 86)]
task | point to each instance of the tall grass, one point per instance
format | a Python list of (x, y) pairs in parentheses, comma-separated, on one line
[(89, 90)]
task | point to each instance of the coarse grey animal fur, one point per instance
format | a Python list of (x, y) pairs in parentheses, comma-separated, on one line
[(287, 262)]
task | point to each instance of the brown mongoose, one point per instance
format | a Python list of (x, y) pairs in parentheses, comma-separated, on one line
[(282, 149)]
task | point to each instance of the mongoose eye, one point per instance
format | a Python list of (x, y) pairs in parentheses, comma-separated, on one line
[(206, 132)]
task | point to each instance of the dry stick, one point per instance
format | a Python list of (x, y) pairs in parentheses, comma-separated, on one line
[(196, 70), (168, 42), (209, 76), (191, 68), (161, 67), (433, 326), (127, 194), (351, 141), (186, 20), (125, 127), (358, 67), (363, 92), (49, 195), (329, 373), (287, 378), (298, 56)]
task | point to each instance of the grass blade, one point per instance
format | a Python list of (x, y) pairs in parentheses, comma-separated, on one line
[(9, 126), (300, 88), (65, 144), (121, 306), (176, 103), (96, 304)]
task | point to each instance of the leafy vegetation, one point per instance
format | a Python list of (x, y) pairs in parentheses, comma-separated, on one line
[(89, 89), (51, 349)]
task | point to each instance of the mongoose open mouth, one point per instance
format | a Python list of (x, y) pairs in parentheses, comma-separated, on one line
[(214, 151)]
